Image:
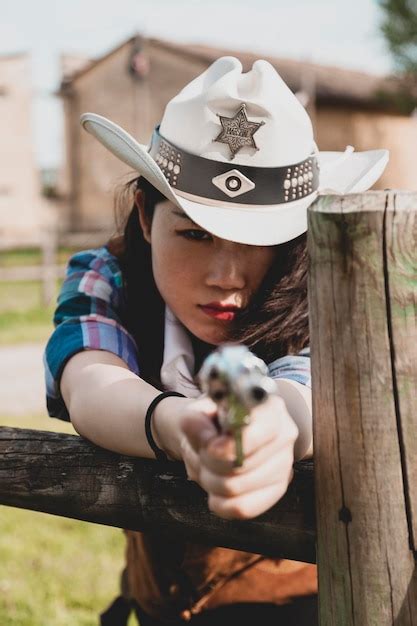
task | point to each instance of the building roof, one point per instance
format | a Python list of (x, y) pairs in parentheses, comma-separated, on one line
[(330, 85), (72, 64)]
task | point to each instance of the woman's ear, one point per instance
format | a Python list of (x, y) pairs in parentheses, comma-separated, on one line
[(144, 220)]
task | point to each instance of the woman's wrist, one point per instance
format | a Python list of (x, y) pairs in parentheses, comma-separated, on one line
[(166, 425)]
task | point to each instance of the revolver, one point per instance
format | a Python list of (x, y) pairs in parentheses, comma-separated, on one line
[(236, 380)]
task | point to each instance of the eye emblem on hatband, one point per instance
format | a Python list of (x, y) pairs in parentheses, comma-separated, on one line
[(233, 183)]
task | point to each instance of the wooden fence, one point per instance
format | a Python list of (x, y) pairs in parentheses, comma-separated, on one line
[(49, 270), (363, 304)]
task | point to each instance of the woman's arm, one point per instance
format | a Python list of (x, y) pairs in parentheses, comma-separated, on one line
[(107, 404), (292, 374)]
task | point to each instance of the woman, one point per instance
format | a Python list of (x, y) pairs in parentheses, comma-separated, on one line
[(214, 250)]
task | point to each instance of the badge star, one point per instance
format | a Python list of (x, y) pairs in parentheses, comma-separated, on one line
[(238, 131)]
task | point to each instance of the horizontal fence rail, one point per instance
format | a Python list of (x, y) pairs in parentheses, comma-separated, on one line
[(31, 272), (68, 476)]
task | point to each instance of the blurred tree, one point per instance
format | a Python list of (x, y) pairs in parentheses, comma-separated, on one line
[(399, 27)]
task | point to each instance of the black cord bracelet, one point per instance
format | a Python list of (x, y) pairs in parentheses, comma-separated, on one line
[(159, 454)]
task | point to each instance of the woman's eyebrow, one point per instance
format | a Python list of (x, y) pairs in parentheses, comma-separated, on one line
[(183, 215)]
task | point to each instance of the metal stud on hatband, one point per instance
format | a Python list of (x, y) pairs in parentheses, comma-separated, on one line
[(233, 183), (294, 182), (177, 169), (170, 165), (287, 184)]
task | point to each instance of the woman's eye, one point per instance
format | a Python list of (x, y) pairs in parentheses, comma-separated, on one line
[(194, 234)]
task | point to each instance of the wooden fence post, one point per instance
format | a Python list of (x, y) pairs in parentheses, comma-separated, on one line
[(363, 318), (49, 266)]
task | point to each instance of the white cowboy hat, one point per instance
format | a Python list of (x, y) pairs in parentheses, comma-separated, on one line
[(236, 152)]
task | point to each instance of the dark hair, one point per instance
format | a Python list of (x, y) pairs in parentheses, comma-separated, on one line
[(274, 324)]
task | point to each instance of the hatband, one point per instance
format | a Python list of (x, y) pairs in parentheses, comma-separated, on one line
[(219, 181)]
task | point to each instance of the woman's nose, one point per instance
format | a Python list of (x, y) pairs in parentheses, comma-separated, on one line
[(226, 271)]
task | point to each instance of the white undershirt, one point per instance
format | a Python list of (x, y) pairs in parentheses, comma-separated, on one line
[(177, 373)]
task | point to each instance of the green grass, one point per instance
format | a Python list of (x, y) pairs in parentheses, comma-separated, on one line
[(37, 422), (55, 571), (23, 317)]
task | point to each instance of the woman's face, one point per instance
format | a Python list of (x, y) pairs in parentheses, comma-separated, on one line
[(203, 279)]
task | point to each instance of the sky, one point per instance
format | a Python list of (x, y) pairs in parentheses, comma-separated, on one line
[(332, 32)]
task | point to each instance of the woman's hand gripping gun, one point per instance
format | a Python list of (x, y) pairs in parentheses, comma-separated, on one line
[(236, 380)]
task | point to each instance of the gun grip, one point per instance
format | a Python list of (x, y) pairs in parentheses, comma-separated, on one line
[(239, 448)]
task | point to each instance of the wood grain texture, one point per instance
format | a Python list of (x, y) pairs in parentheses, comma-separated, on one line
[(367, 570), (401, 285), (68, 476)]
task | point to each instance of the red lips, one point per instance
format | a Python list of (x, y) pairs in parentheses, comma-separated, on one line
[(220, 311), (221, 307)]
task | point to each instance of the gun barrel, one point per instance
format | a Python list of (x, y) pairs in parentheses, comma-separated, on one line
[(237, 381)]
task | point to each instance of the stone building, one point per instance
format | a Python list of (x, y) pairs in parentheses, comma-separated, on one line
[(21, 208), (132, 84)]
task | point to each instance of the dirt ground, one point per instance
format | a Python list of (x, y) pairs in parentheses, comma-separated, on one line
[(22, 387)]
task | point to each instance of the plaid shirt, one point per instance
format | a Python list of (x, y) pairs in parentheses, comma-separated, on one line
[(89, 315)]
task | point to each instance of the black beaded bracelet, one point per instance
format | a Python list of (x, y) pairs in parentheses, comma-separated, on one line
[(159, 454)]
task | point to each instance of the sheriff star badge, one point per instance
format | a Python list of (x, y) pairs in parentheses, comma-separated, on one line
[(238, 131)]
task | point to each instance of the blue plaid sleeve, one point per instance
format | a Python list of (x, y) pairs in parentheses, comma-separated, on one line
[(89, 315), (293, 367)]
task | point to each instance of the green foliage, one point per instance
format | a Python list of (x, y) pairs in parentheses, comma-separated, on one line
[(399, 27)]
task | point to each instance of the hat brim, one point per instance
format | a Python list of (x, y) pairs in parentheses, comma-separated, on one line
[(340, 172)]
